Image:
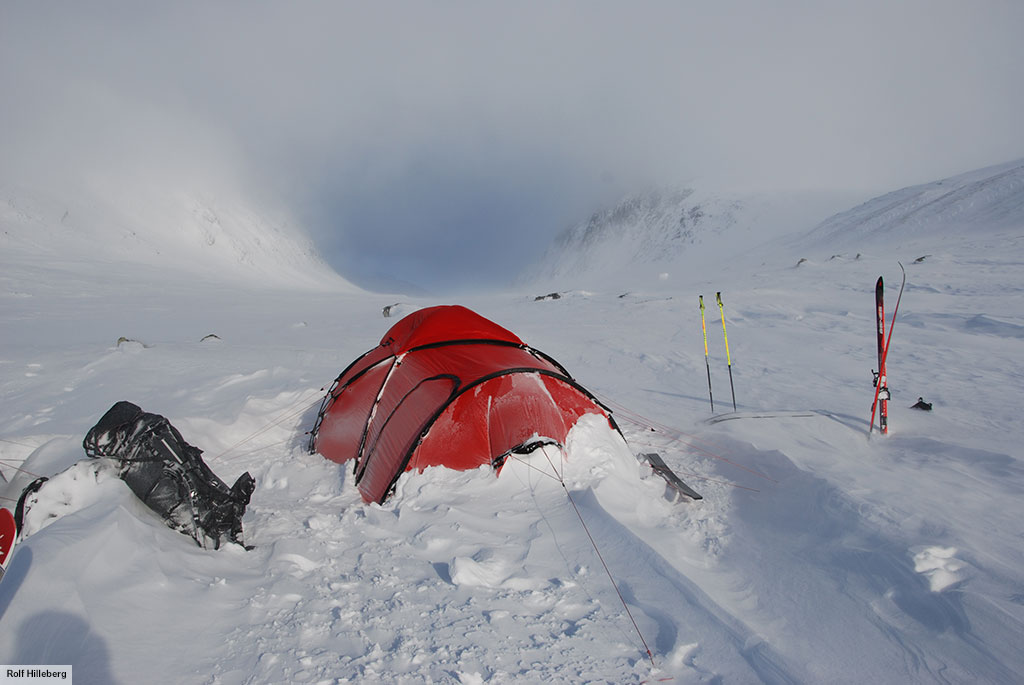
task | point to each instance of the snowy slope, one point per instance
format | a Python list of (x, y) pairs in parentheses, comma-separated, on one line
[(645, 228), (674, 231), (222, 237), (816, 555), (986, 200)]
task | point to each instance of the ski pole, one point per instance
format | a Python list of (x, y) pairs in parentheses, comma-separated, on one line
[(721, 310), (707, 364)]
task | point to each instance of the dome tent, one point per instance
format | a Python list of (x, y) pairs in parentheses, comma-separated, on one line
[(445, 387)]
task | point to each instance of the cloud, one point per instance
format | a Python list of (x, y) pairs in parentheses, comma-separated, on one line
[(435, 139)]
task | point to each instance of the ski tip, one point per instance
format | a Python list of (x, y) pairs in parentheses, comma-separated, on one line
[(8, 536)]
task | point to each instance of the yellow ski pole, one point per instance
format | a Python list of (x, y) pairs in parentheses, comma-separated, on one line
[(721, 309), (704, 328)]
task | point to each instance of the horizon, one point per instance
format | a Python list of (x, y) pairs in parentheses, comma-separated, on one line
[(446, 145)]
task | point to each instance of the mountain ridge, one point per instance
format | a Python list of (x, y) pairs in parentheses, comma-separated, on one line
[(650, 237), (990, 198)]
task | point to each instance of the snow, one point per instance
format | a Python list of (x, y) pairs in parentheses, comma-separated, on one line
[(629, 244), (816, 555)]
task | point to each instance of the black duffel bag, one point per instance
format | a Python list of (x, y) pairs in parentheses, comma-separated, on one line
[(169, 475)]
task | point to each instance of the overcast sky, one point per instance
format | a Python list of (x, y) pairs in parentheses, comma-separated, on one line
[(447, 142)]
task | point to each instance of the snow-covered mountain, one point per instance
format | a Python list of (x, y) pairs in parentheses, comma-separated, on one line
[(667, 233), (217, 237), (817, 554), (985, 200), (671, 231)]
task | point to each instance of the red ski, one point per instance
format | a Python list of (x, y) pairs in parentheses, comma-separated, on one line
[(8, 536), (882, 393), (881, 400)]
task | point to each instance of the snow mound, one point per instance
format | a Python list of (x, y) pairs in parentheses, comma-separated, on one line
[(70, 491), (940, 566)]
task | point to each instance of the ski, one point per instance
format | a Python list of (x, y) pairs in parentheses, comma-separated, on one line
[(763, 415), (882, 394), (11, 523), (8, 536), (880, 403), (674, 481)]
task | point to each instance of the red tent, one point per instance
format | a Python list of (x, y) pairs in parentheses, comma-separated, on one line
[(445, 387)]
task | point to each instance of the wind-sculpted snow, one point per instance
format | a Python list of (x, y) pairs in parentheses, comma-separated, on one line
[(817, 554)]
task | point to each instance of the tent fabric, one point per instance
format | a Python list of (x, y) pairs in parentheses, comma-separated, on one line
[(445, 387)]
